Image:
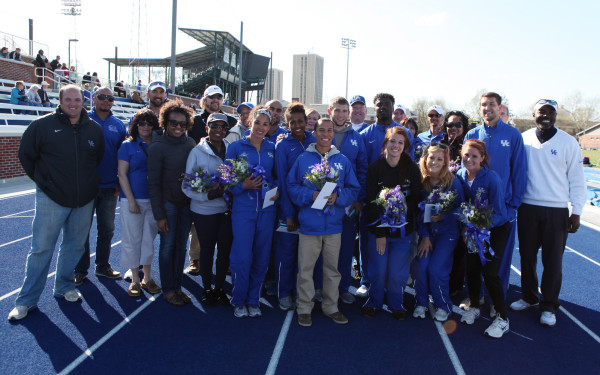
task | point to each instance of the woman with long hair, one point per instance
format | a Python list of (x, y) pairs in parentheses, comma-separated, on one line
[(438, 236), (481, 183), (388, 248)]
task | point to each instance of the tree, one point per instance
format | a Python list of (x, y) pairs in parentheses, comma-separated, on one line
[(579, 112), (472, 106)]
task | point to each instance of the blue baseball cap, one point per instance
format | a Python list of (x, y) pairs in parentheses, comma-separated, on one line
[(358, 99), (244, 104)]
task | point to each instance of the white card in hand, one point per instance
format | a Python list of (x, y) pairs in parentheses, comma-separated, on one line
[(430, 210), (321, 201), (268, 195)]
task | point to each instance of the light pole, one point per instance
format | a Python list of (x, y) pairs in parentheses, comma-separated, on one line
[(348, 44), (71, 40)]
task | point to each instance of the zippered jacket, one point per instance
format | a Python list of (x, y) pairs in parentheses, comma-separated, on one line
[(62, 158)]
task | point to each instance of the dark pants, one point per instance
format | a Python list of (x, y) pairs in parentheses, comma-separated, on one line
[(213, 230), (545, 227), (457, 275), (173, 246), (498, 238), (105, 205)]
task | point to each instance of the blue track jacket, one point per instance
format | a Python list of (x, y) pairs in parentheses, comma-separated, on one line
[(507, 158), (354, 149), (251, 200), (373, 137), (312, 221), (490, 182)]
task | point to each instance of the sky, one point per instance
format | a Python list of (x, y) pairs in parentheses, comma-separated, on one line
[(452, 49)]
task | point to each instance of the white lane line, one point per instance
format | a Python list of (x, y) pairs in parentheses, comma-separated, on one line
[(447, 343), (17, 213), (17, 194), (49, 275), (581, 255), (88, 352), (571, 316), (280, 343), (11, 242), (590, 225)]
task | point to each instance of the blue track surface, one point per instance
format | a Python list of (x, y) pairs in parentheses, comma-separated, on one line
[(161, 339)]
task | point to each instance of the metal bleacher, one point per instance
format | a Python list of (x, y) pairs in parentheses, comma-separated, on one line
[(12, 114)]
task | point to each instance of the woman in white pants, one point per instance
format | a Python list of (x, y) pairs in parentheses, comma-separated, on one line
[(138, 226)]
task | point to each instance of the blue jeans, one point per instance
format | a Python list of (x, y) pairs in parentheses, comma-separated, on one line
[(50, 218), (173, 246), (105, 205)]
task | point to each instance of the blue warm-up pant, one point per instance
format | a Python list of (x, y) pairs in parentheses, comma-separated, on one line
[(388, 271), (250, 252), (433, 273), (364, 249), (349, 228)]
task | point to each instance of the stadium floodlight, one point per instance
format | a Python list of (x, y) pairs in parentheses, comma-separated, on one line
[(348, 44), (71, 7)]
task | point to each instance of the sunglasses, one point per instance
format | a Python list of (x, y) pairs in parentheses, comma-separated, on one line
[(434, 115), (175, 123), (217, 126), (454, 124), (110, 98), (216, 96), (144, 123)]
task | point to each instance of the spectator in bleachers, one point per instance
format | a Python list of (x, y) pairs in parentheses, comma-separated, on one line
[(139, 85), (54, 64), (73, 75), (33, 97), (40, 64), (4, 52), (87, 78), (120, 90), (95, 80), (17, 94), (64, 72), (15, 55), (87, 94), (44, 95), (136, 98)]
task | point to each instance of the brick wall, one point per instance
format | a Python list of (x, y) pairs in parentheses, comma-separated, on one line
[(590, 141), (9, 157), (19, 70)]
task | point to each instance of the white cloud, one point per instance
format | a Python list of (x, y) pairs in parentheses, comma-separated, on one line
[(436, 19)]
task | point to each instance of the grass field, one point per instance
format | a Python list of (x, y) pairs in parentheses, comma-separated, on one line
[(594, 156)]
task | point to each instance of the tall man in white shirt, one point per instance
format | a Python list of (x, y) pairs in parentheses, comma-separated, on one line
[(555, 178)]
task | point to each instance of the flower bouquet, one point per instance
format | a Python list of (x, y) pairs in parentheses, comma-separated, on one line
[(234, 171), (419, 151), (477, 216), (442, 198), (321, 173), (393, 204), (199, 180), (454, 165)]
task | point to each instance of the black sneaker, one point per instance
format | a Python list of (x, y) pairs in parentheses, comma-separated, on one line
[(222, 298), (79, 279), (108, 272), (209, 297)]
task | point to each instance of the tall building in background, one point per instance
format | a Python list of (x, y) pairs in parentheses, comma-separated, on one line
[(274, 91), (307, 81)]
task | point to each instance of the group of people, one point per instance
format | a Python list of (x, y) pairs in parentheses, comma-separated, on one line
[(312, 187), (35, 96)]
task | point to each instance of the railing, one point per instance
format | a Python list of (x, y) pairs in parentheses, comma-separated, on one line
[(28, 47)]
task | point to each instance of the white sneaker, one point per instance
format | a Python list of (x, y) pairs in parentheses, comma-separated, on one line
[(240, 311), (254, 311), (71, 296), (498, 327), (419, 312), (548, 319), (470, 315), (440, 315), (363, 291), (521, 305), (19, 312), (127, 276), (492, 311)]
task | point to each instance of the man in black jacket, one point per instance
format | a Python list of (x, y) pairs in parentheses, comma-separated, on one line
[(60, 152), (211, 103)]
